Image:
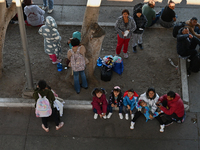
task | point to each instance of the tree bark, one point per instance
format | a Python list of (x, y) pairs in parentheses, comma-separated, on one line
[(6, 14)]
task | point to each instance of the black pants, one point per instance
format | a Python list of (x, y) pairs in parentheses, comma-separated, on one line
[(192, 52), (55, 115), (169, 118)]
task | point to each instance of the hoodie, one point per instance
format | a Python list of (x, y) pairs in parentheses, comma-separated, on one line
[(130, 101), (100, 104)]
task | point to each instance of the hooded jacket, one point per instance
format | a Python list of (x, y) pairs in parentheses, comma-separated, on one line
[(119, 101), (51, 36), (130, 101), (100, 104), (140, 23), (191, 28), (175, 106)]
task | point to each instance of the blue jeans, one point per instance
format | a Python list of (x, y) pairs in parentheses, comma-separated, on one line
[(95, 111), (76, 80), (50, 3), (109, 108), (157, 17)]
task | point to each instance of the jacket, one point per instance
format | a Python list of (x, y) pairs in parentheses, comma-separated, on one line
[(119, 101), (175, 106), (150, 102), (130, 101), (51, 36), (140, 23), (147, 113), (120, 26), (100, 104), (191, 28)]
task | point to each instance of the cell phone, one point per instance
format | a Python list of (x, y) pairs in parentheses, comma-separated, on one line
[(158, 104)]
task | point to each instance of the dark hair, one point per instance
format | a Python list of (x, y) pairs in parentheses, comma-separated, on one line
[(171, 94), (42, 84), (48, 87), (171, 2), (117, 90), (139, 11), (194, 18), (147, 93), (97, 90), (125, 11), (131, 90), (141, 101), (75, 42), (27, 2)]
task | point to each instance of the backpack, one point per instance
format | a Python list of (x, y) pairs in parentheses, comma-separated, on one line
[(43, 107), (106, 73), (77, 60), (195, 64), (177, 27), (136, 7)]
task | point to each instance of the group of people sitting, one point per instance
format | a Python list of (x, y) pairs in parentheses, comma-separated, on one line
[(166, 109)]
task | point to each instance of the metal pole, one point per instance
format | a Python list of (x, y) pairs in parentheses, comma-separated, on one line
[(24, 45)]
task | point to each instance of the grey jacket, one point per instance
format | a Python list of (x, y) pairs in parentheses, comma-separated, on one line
[(51, 37), (120, 26)]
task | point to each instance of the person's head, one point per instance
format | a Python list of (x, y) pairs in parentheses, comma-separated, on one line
[(171, 95), (42, 84), (130, 93), (27, 2), (75, 42), (151, 3), (142, 103), (139, 12), (194, 21), (171, 5), (98, 92), (116, 91), (185, 30), (151, 93), (125, 13)]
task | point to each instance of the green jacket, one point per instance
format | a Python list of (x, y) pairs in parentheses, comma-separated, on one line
[(48, 93)]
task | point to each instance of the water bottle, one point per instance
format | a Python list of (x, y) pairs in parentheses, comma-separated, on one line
[(99, 62), (59, 67)]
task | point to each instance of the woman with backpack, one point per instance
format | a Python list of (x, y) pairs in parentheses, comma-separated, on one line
[(76, 55)]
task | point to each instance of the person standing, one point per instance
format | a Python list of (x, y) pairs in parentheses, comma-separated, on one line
[(141, 22), (45, 5), (125, 25)]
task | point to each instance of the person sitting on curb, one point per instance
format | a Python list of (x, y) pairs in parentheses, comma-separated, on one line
[(193, 26), (186, 43), (168, 16), (172, 106)]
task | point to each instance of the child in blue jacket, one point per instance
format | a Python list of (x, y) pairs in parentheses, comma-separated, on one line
[(130, 100)]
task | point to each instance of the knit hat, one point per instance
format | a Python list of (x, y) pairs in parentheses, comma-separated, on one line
[(139, 10)]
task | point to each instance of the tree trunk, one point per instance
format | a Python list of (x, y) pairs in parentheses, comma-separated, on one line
[(6, 14)]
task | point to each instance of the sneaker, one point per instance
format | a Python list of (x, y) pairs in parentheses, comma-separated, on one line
[(168, 124), (120, 116), (162, 128), (140, 46), (95, 116), (134, 49), (104, 117), (57, 61), (60, 125), (125, 55), (132, 125), (45, 129), (132, 116), (50, 11), (44, 8), (126, 116), (109, 115)]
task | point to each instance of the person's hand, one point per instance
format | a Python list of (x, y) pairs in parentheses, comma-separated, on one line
[(159, 106), (103, 114), (116, 105), (130, 112), (100, 115), (190, 36), (128, 107), (151, 117), (122, 33), (158, 102), (112, 105)]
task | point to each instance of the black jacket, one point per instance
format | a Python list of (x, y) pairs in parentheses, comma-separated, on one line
[(119, 99), (140, 23)]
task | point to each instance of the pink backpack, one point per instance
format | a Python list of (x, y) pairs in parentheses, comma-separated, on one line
[(43, 107), (77, 60)]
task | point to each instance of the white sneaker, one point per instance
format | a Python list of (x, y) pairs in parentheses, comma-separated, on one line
[(57, 61), (104, 117), (132, 116), (125, 55), (95, 116), (126, 116), (44, 8), (132, 125), (50, 11), (109, 115), (120, 116), (162, 128)]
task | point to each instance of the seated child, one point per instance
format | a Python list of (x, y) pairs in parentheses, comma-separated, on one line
[(99, 103), (129, 101), (146, 111), (115, 100)]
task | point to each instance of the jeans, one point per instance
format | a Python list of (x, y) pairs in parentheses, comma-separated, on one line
[(50, 3), (76, 80), (56, 118), (120, 43), (109, 108), (157, 17)]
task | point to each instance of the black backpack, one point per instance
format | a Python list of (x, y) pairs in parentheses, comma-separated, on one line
[(137, 6), (106, 73), (195, 64), (177, 27)]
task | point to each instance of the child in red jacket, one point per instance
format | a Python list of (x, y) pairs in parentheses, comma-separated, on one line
[(99, 103)]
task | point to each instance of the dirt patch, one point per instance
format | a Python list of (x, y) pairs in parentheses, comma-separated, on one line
[(147, 68)]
